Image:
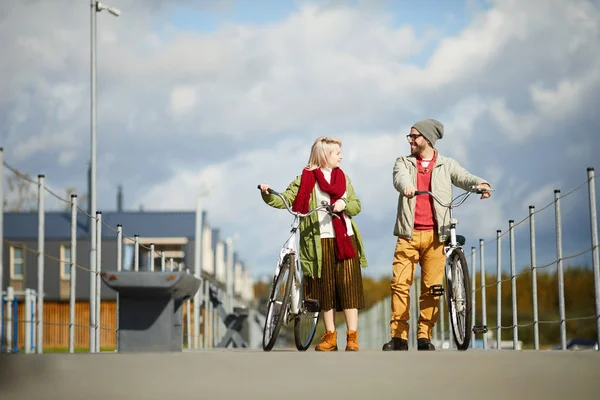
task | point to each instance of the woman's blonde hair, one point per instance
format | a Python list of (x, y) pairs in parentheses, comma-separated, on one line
[(320, 151)]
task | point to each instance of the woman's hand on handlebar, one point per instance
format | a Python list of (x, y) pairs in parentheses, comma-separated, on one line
[(339, 205), (264, 188)]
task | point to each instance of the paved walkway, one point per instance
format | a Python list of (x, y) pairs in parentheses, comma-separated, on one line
[(280, 374)]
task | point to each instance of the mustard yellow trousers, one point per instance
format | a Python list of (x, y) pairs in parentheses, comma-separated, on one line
[(424, 249)]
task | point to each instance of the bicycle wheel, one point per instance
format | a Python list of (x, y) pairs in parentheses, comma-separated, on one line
[(458, 297), (278, 303), (305, 325)]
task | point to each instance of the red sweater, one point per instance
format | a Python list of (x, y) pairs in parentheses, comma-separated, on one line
[(424, 220)]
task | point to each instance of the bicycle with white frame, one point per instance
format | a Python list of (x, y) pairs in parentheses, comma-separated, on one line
[(286, 298), (456, 276)]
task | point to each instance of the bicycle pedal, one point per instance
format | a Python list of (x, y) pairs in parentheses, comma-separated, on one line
[(437, 290), (312, 305), (477, 329)]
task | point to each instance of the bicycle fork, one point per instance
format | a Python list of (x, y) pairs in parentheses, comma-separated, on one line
[(295, 303), (457, 294)]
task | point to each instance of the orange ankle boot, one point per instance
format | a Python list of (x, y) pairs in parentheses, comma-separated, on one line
[(352, 341), (328, 342)]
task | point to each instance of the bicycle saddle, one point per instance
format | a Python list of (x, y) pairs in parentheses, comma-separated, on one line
[(459, 238)]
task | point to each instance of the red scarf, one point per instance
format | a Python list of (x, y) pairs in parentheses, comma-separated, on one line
[(343, 243)]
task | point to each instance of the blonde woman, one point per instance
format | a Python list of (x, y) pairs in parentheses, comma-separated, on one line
[(331, 249)]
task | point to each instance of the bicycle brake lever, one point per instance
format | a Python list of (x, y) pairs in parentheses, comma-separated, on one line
[(482, 191), (474, 187), (329, 208)]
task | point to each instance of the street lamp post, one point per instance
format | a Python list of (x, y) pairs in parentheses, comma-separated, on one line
[(95, 7)]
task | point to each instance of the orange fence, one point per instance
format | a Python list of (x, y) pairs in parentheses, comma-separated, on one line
[(56, 327)]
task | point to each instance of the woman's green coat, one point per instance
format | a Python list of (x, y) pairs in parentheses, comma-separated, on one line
[(310, 236)]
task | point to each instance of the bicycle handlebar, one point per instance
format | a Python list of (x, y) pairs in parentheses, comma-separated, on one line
[(472, 189), (323, 206)]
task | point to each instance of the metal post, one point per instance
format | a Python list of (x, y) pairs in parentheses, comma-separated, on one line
[(162, 261), (473, 295), (1, 222), (33, 316), (93, 243), (119, 247), (171, 264), (594, 235), (10, 297), (483, 295), (151, 261), (188, 323), (136, 253), (211, 331), (513, 279), (92, 177), (206, 320), (119, 269), (16, 325), (73, 273), (197, 271), (94, 8), (561, 278), (498, 290), (536, 326), (229, 274), (40, 262), (97, 276), (27, 319)]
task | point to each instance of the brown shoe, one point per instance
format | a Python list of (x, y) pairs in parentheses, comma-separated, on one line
[(328, 342), (352, 341)]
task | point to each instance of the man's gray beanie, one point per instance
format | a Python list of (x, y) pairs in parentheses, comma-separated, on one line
[(431, 129)]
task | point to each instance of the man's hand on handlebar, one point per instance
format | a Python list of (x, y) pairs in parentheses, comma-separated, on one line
[(409, 192), (483, 188)]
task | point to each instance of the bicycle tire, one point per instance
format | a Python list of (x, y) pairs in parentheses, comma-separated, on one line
[(458, 298), (280, 296), (305, 326)]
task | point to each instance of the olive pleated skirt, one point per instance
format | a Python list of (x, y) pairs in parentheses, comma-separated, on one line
[(340, 285)]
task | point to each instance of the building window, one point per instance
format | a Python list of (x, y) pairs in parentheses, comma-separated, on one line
[(65, 262), (17, 263)]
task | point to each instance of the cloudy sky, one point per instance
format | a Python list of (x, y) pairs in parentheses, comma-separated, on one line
[(217, 96)]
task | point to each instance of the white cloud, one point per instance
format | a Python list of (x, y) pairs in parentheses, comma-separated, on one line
[(183, 99), (47, 141), (66, 158), (516, 126), (540, 197)]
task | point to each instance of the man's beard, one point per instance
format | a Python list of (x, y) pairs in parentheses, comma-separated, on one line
[(419, 149)]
